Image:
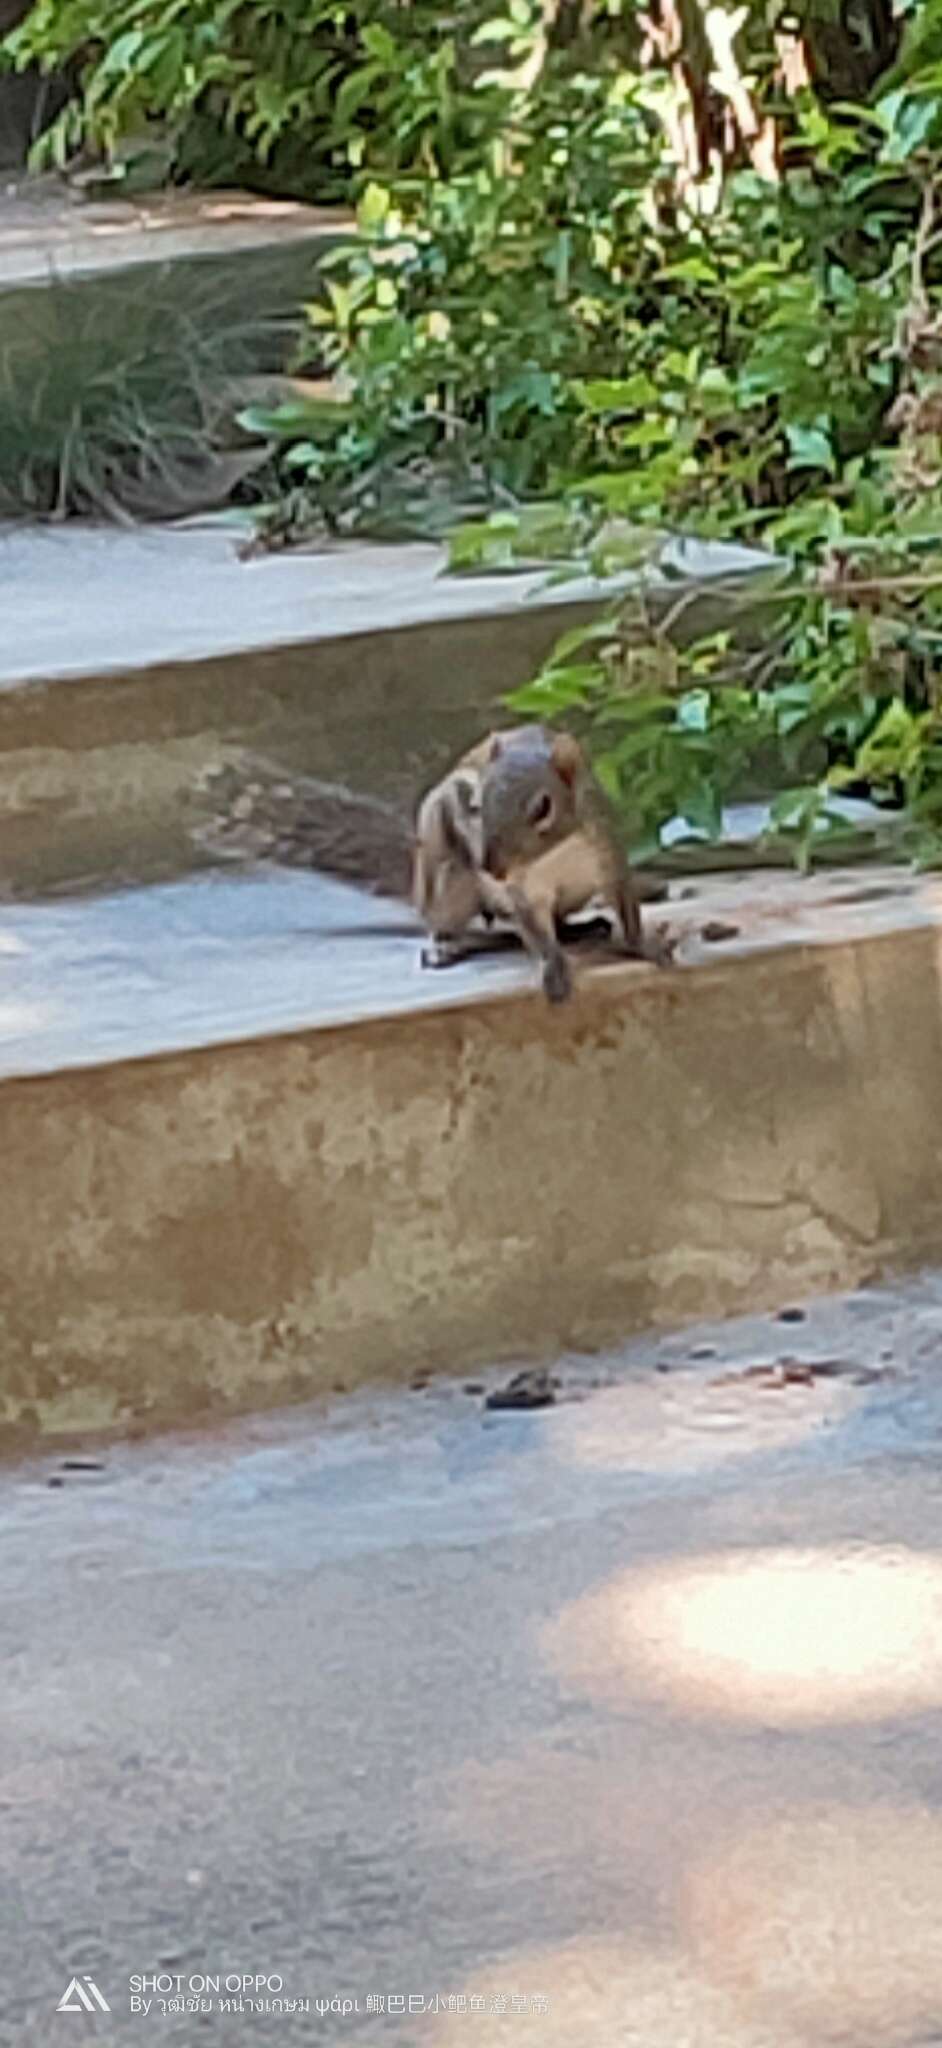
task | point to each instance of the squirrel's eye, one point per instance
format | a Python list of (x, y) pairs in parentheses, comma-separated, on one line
[(541, 810)]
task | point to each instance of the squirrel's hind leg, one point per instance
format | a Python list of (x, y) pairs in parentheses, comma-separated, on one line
[(657, 946)]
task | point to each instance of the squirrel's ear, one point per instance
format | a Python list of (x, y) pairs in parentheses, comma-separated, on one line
[(497, 746), (567, 757)]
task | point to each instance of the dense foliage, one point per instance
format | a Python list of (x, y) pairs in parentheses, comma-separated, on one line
[(673, 271), (570, 336)]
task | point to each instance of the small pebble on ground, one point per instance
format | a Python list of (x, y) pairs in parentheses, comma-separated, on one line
[(525, 1390)]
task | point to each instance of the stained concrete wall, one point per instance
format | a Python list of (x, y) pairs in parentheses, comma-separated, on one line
[(262, 1221)]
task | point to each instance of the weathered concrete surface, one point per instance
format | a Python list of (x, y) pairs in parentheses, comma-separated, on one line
[(630, 1709), (130, 661), (239, 1223), (47, 231)]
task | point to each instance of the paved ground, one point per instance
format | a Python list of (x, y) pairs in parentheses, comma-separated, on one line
[(619, 1722)]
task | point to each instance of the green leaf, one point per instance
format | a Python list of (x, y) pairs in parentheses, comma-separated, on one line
[(373, 208), (496, 31), (703, 809), (908, 122), (557, 689), (617, 394), (809, 448), (299, 417), (378, 43), (693, 711), (122, 53), (894, 745), (607, 773), (635, 706), (691, 270), (715, 383), (580, 636)]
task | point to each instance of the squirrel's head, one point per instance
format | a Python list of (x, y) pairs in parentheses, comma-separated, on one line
[(529, 796)]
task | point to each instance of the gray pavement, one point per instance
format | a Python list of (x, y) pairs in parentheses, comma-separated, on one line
[(619, 1722)]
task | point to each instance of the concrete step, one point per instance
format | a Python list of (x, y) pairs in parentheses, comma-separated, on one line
[(221, 257), (133, 660), (251, 1152)]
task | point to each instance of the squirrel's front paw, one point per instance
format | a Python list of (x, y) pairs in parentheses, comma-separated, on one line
[(439, 953), (557, 979)]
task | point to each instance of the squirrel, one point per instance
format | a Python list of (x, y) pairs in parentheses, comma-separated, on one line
[(518, 831)]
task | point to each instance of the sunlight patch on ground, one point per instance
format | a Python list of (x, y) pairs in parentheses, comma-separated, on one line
[(786, 1635)]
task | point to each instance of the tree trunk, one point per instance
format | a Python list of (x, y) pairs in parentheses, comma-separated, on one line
[(29, 100)]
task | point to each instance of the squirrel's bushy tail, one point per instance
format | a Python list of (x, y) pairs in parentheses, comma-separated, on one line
[(254, 811)]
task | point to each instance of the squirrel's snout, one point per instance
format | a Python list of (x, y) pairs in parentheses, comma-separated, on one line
[(494, 862)]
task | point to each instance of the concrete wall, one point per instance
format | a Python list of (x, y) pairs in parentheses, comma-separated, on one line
[(270, 1220)]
